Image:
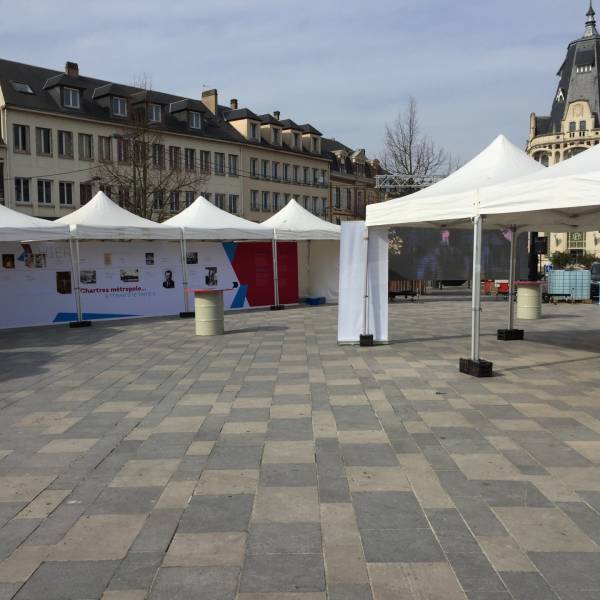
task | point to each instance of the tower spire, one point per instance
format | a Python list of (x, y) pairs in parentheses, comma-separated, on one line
[(590, 24)]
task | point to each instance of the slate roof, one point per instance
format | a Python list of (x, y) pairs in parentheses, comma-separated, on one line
[(576, 86), (238, 113), (289, 124), (330, 146), (43, 100), (269, 120)]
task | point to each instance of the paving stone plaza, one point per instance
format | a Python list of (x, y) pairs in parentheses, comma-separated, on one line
[(140, 461)]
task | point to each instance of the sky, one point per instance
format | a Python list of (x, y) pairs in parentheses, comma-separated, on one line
[(477, 68)]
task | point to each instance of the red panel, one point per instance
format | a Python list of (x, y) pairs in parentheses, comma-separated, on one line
[(287, 268), (253, 265)]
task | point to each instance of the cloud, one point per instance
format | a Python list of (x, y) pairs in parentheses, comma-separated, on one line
[(476, 68)]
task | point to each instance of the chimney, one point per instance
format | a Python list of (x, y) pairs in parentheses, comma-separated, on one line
[(72, 69), (276, 114), (233, 103), (209, 97)]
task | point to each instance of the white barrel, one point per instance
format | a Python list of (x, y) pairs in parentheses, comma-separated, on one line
[(210, 319), (529, 301)]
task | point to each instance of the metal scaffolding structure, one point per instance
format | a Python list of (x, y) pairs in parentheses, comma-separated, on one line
[(391, 183)]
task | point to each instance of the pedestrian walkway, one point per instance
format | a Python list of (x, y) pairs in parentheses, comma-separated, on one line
[(139, 461)]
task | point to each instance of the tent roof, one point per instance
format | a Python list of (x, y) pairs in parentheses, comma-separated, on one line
[(102, 219), (563, 197), (16, 227), (294, 222), (453, 199), (205, 221)]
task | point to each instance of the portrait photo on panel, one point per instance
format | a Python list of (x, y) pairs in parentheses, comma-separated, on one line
[(8, 261), (168, 282)]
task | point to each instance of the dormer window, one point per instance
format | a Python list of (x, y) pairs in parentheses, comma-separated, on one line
[(119, 106), (296, 140), (154, 113), (195, 120), (277, 137), (23, 88), (315, 145), (70, 97), (253, 131)]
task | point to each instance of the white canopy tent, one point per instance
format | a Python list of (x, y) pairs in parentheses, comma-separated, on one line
[(17, 227), (294, 223), (455, 201), (202, 220), (102, 219)]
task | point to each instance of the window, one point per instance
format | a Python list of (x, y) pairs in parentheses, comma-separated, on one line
[(266, 205), (44, 191), (86, 147), (106, 189), (296, 176), (254, 167), (65, 193), (104, 148), (123, 150), (70, 97), (190, 159), (315, 145), (314, 204), (324, 206), (119, 107), (306, 202), (23, 88), (286, 199), (220, 201), (254, 131), (275, 170), (296, 143), (43, 140), (338, 198), (277, 137), (189, 198), (207, 195), (348, 199), (233, 203), (205, 161), (315, 173), (264, 169), (154, 113), (338, 221), (576, 240), (85, 193), (582, 125), (174, 201), (323, 177), (65, 144), (286, 172), (306, 178), (22, 189), (253, 199), (157, 199), (219, 163), (123, 196), (572, 126), (174, 157), (233, 165), (158, 156), (275, 201), (195, 120), (21, 138)]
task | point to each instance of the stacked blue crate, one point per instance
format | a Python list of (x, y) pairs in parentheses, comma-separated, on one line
[(575, 283)]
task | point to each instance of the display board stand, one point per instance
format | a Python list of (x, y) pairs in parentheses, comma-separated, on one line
[(74, 250)]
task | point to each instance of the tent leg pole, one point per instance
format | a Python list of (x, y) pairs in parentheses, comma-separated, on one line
[(475, 366), (511, 333), (366, 339), (74, 249), (276, 305), (187, 313)]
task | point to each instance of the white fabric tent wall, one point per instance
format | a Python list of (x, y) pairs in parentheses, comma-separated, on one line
[(318, 269)]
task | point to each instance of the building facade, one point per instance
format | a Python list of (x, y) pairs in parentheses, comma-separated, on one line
[(61, 132), (573, 125), (352, 181)]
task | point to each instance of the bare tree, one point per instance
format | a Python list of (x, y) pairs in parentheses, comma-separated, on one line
[(145, 177), (408, 152)]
